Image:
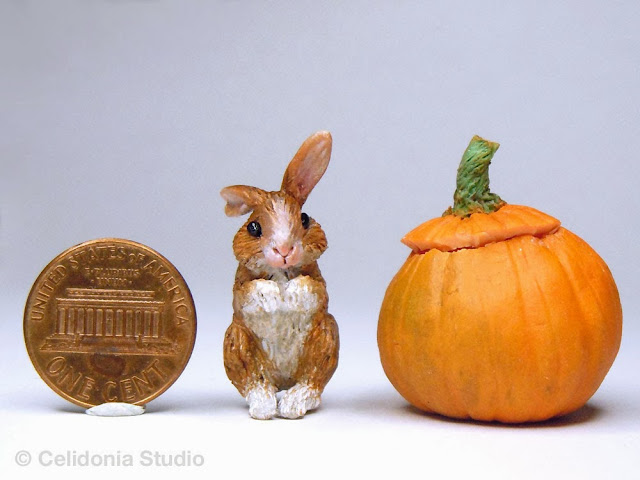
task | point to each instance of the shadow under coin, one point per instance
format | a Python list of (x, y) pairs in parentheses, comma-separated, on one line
[(69, 408)]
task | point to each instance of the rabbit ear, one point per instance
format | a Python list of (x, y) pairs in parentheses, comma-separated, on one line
[(307, 166), (241, 199)]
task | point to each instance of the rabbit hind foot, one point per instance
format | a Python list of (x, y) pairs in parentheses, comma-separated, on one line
[(262, 401), (298, 400)]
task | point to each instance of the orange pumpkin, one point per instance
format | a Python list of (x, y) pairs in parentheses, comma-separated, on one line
[(499, 313)]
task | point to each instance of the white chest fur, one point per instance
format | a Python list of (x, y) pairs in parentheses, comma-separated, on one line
[(280, 315)]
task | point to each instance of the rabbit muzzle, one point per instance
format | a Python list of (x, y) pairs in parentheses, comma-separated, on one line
[(283, 255)]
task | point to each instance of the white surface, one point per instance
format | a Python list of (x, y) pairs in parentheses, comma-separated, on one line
[(126, 118), (362, 428)]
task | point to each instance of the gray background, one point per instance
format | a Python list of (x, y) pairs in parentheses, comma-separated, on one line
[(126, 118)]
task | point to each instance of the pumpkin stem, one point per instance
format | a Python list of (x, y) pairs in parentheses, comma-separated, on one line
[(472, 193)]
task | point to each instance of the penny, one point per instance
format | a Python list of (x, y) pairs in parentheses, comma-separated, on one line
[(109, 320)]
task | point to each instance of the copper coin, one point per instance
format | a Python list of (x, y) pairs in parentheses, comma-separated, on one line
[(109, 320)]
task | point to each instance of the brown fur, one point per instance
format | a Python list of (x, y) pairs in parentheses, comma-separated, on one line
[(246, 362)]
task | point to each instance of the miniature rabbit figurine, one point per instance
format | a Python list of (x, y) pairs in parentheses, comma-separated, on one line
[(281, 336)]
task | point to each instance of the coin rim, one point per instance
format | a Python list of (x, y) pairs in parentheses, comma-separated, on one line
[(63, 254)]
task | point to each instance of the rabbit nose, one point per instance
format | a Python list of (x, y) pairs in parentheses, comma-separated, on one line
[(283, 250)]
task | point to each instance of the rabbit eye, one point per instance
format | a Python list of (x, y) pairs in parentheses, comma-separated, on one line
[(254, 229), (305, 220)]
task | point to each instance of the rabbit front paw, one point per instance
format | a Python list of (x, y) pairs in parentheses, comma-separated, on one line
[(263, 296), (262, 402), (298, 400)]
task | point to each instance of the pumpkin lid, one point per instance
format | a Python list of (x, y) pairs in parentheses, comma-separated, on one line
[(478, 216), (452, 232)]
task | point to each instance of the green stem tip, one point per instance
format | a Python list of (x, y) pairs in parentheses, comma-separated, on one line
[(472, 193)]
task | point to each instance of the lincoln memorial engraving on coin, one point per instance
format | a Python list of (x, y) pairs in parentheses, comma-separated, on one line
[(109, 320)]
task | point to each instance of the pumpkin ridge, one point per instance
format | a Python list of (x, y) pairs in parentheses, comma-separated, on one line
[(527, 322), (405, 277), (575, 270), (491, 361), (547, 324), (561, 254), (441, 225), (579, 267), (451, 391), (541, 216), (584, 344), (444, 228), (522, 314), (502, 226)]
